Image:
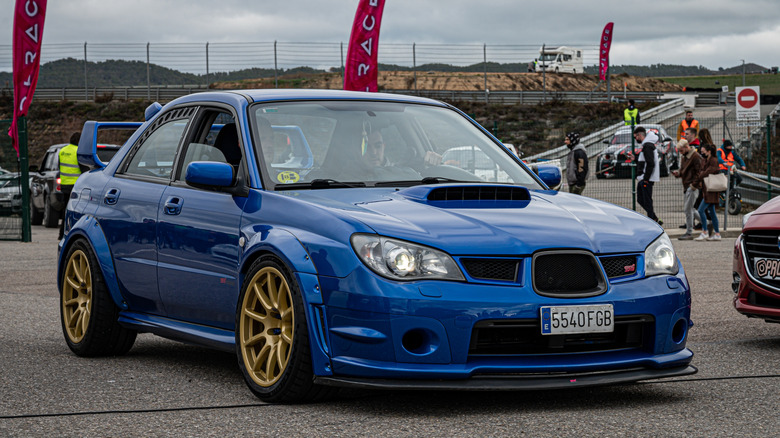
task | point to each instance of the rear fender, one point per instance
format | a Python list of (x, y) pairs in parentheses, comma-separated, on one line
[(87, 152), (89, 229)]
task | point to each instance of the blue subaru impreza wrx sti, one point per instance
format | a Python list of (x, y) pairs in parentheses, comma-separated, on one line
[(334, 238)]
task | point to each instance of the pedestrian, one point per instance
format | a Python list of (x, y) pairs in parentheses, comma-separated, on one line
[(576, 164), (631, 114), (647, 170), (70, 170), (688, 122), (709, 199), (690, 166), (727, 156), (705, 137)]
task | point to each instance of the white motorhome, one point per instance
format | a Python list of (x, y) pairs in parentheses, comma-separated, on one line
[(560, 59)]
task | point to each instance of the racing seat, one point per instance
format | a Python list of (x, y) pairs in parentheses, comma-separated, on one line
[(227, 143)]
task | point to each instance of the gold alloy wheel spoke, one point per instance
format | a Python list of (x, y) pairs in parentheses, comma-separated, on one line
[(267, 326), (77, 296)]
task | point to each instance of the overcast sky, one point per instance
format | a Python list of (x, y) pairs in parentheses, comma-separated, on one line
[(714, 33)]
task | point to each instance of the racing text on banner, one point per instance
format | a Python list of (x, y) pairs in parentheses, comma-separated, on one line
[(360, 73), (604, 45), (27, 36)]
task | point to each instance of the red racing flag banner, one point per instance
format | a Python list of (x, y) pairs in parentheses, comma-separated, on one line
[(27, 35), (361, 72), (604, 45)]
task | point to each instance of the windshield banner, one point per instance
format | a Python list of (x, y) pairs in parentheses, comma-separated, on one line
[(27, 36), (360, 70), (604, 45)]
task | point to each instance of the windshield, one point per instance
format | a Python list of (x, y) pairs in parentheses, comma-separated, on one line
[(366, 143), (548, 57), (625, 137)]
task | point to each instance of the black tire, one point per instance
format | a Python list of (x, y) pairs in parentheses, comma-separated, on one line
[(51, 217), (36, 216), (87, 313), (735, 206), (263, 320)]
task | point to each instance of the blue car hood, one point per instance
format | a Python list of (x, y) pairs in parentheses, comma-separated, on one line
[(544, 220)]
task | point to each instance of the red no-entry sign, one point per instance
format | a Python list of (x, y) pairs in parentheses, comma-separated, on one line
[(747, 98), (748, 107)]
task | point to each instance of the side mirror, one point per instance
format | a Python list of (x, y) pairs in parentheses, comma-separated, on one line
[(550, 174), (209, 174), (605, 141)]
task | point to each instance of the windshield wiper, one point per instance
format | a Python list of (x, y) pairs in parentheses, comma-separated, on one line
[(324, 183), (417, 182)]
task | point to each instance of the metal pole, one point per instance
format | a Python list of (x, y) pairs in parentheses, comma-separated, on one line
[(609, 96), (544, 77), (768, 158), (743, 72), (25, 187), (207, 64), (414, 65), (86, 86), (276, 66), (148, 75), (633, 168), (484, 58), (342, 63)]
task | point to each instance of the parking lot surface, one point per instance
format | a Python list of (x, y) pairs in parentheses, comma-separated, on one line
[(167, 388)]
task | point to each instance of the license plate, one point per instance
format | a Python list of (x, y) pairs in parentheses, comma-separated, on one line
[(768, 269), (559, 320)]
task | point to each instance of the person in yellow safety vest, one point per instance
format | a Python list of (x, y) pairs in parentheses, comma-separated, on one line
[(688, 122), (70, 170), (631, 114)]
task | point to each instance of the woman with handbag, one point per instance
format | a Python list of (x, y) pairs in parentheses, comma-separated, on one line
[(709, 174)]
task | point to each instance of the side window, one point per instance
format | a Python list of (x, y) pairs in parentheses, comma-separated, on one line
[(51, 162), (156, 154), (214, 139)]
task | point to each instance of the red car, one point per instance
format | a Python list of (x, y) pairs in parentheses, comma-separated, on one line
[(756, 276)]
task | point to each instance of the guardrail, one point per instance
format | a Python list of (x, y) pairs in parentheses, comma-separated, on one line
[(168, 93)]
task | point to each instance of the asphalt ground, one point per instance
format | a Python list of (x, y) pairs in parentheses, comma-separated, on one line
[(165, 388)]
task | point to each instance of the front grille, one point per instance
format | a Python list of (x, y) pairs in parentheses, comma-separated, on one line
[(567, 274), (762, 244), (492, 269), (620, 266), (761, 300), (519, 337)]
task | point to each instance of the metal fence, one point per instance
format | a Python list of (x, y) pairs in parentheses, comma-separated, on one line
[(205, 59), (10, 188)]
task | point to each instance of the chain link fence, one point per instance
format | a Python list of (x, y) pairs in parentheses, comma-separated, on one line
[(10, 187), (610, 176)]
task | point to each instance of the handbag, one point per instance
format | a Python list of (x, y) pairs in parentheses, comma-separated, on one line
[(716, 182)]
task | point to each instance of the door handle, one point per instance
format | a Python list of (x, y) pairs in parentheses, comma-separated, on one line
[(173, 205), (111, 197)]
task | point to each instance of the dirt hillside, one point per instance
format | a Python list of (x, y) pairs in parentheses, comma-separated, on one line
[(405, 80)]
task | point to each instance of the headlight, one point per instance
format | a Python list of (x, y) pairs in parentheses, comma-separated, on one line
[(660, 257), (399, 260), (745, 218)]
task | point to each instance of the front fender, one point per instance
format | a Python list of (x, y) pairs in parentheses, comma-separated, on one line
[(89, 229)]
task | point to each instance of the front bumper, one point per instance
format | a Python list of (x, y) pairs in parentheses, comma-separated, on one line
[(752, 298), (423, 331)]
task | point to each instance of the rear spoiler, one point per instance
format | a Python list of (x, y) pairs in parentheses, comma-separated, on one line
[(87, 152)]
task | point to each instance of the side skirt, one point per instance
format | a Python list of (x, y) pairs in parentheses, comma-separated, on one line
[(211, 337)]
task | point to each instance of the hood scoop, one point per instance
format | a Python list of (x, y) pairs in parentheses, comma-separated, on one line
[(469, 196)]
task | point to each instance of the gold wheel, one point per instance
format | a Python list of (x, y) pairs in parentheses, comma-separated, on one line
[(77, 296), (266, 326)]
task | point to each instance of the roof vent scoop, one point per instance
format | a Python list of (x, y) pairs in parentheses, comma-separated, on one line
[(151, 110)]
